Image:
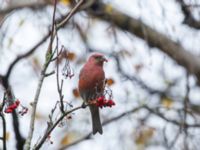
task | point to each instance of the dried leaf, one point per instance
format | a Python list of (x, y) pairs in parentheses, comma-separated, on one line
[(76, 93), (68, 138), (71, 56), (36, 64), (138, 67), (65, 2), (110, 81), (7, 136), (39, 116), (109, 8), (66, 55), (144, 135), (167, 102)]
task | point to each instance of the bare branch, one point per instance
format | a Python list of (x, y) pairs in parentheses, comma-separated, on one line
[(35, 5), (49, 57), (4, 130), (72, 12), (49, 130), (175, 122), (3, 121), (9, 97), (173, 49), (103, 124), (135, 79), (186, 102), (28, 53), (49, 74), (60, 23), (15, 121), (59, 87), (189, 19)]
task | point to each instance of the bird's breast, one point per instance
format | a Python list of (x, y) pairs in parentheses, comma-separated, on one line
[(91, 80)]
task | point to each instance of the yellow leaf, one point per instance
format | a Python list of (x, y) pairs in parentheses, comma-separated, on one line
[(39, 116), (110, 81), (65, 2), (71, 56), (76, 93), (144, 135), (7, 136), (66, 55), (68, 138), (167, 102), (109, 8)]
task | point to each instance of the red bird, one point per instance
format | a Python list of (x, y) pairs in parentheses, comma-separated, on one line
[(91, 85)]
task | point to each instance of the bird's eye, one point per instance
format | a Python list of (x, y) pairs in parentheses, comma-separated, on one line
[(97, 57)]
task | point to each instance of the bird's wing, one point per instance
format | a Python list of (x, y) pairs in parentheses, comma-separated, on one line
[(91, 83)]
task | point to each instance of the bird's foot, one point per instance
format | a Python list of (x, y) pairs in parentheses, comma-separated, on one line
[(83, 105)]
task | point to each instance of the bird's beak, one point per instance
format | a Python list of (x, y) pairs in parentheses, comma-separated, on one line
[(104, 59)]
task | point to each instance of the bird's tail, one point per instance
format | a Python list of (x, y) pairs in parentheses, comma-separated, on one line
[(96, 123)]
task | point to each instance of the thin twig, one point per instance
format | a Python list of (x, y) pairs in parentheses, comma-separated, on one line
[(103, 124), (173, 121), (49, 74), (189, 19), (59, 87), (48, 60), (4, 130), (49, 57), (34, 105), (72, 12), (15, 119), (186, 101), (59, 25), (20, 57), (135, 79), (175, 140), (3, 103), (38, 146)]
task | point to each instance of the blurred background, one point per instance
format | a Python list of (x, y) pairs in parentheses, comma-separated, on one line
[(153, 71)]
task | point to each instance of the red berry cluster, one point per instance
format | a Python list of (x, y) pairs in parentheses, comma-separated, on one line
[(103, 102), (12, 107)]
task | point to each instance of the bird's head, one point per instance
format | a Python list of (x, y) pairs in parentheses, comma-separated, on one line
[(97, 59)]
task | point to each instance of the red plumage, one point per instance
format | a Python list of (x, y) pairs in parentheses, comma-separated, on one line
[(91, 85)]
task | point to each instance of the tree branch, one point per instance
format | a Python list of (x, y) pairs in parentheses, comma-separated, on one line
[(183, 57), (189, 19), (49, 130), (60, 22), (8, 96), (49, 57), (15, 120), (35, 5), (4, 130), (103, 124), (175, 122)]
